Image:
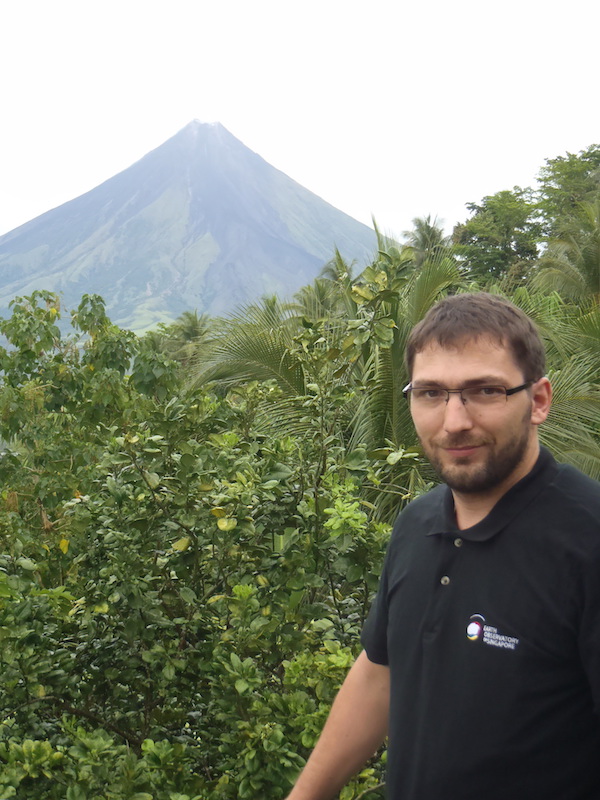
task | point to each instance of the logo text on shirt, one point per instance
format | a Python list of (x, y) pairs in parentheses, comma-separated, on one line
[(479, 630)]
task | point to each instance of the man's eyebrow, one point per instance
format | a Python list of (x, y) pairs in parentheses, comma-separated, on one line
[(484, 380), (433, 384)]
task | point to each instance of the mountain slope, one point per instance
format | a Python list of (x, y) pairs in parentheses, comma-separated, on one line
[(201, 222)]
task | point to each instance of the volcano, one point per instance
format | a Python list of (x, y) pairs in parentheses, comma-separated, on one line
[(200, 223)]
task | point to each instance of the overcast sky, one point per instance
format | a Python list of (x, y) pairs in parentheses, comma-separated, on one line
[(386, 108)]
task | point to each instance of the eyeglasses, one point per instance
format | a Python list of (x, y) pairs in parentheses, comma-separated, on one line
[(478, 396)]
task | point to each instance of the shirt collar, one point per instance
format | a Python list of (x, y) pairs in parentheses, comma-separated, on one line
[(506, 509)]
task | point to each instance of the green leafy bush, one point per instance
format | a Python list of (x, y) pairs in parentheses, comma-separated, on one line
[(180, 594)]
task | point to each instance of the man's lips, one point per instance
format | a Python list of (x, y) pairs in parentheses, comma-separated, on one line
[(462, 449)]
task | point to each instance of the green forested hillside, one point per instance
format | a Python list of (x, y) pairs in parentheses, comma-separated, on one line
[(192, 522)]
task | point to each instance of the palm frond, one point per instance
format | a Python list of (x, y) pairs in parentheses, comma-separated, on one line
[(429, 285), (572, 428), (255, 344)]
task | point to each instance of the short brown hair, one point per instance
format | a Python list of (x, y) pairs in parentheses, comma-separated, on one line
[(470, 316)]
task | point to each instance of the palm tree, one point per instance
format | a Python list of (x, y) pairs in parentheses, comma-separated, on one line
[(295, 352), (183, 339), (427, 240), (254, 344), (571, 335), (338, 335), (382, 420), (571, 264)]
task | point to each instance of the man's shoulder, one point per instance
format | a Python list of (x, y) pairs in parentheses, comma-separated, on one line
[(423, 508), (420, 517), (433, 497), (572, 484), (570, 501)]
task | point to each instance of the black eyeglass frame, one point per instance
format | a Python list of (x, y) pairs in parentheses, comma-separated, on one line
[(409, 387)]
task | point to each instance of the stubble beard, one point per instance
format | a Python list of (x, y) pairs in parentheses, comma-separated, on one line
[(498, 466)]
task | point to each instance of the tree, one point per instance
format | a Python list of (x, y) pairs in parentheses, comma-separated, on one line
[(361, 356), (566, 182), (393, 297), (571, 337), (178, 590), (571, 263), (185, 566), (427, 240), (501, 238), (330, 294)]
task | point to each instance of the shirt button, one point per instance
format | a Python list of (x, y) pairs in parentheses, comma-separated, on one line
[(458, 542), (445, 580)]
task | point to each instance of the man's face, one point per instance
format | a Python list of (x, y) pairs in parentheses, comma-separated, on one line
[(475, 450)]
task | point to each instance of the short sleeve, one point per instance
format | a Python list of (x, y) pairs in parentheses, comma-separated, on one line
[(589, 634), (374, 634)]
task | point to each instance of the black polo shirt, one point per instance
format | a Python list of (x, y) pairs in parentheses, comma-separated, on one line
[(492, 635)]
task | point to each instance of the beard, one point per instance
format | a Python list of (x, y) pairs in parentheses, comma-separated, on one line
[(500, 464)]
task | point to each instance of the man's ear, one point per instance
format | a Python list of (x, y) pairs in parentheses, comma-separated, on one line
[(541, 399)]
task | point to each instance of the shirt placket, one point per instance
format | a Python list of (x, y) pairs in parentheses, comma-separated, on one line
[(451, 547)]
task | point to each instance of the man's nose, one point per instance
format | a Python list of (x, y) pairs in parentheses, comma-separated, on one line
[(456, 414)]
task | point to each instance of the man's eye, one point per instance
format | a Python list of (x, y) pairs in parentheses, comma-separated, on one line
[(487, 391), (428, 394)]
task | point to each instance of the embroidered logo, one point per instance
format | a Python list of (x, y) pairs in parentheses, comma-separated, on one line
[(479, 630), (475, 627)]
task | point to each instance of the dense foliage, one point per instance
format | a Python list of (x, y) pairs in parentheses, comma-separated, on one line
[(192, 522), (180, 594)]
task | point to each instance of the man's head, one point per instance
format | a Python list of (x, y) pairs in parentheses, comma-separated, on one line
[(466, 317), (477, 392)]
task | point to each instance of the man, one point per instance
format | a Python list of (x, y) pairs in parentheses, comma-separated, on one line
[(482, 650)]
